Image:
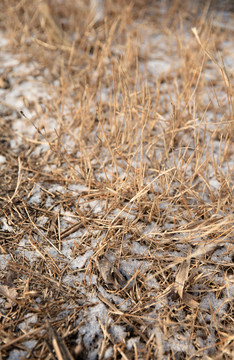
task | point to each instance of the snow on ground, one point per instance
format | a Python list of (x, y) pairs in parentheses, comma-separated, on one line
[(25, 88)]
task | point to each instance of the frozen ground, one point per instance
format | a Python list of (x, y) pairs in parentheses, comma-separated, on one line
[(98, 285)]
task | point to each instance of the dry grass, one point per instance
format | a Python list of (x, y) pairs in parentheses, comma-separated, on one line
[(143, 163)]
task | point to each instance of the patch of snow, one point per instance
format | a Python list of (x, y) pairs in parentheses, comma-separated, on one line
[(137, 248), (129, 267), (92, 328), (219, 306), (131, 342), (152, 283), (31, 255), (30, 319), (214, 183), (5, 226), (109, 353), (78, 188), (4, 259), (122, 304), (118, 333), (158, 67), (17, 354), (122, 214), (41, 149), (69, 280), (68, 216), (180, 343), (30, 344), (80, 261), (35, 196), (42, 220), (49, 202), (96, 241), (9, 60), (150, 229), (51, 251), (57, 188), (3, 41), (222, 255), (96, 206), (2, 159), (23, 241), (67, 247), (90, 280)]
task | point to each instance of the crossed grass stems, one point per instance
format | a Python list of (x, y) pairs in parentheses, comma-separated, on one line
[(146, 149)]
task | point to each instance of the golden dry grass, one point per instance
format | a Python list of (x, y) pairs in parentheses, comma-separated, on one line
[(134, 171)]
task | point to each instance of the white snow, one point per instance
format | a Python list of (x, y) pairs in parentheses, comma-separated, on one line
[(79, 188), (131, 342), (158, 67), (80, 261), (92, 327), (30, 344), (35, 195), (4, 259), (5, 225), (33, 90), (108, 353), (137, 248), (118, 332), (2, 159), (30, 319), (17, 354)]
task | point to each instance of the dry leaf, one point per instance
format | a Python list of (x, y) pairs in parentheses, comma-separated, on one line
[(9, 293), (110, 274), (182, 277), (189, 300), (106, 270), (4, 82)]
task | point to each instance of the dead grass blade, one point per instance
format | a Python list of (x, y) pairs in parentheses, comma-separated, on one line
[(59, 345), (19, 179), (182, 276), (116, 188)]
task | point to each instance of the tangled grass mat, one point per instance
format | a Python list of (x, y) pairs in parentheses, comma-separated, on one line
[(116, 189)]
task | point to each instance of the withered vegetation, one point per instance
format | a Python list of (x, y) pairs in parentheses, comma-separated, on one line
[(116, 193)]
